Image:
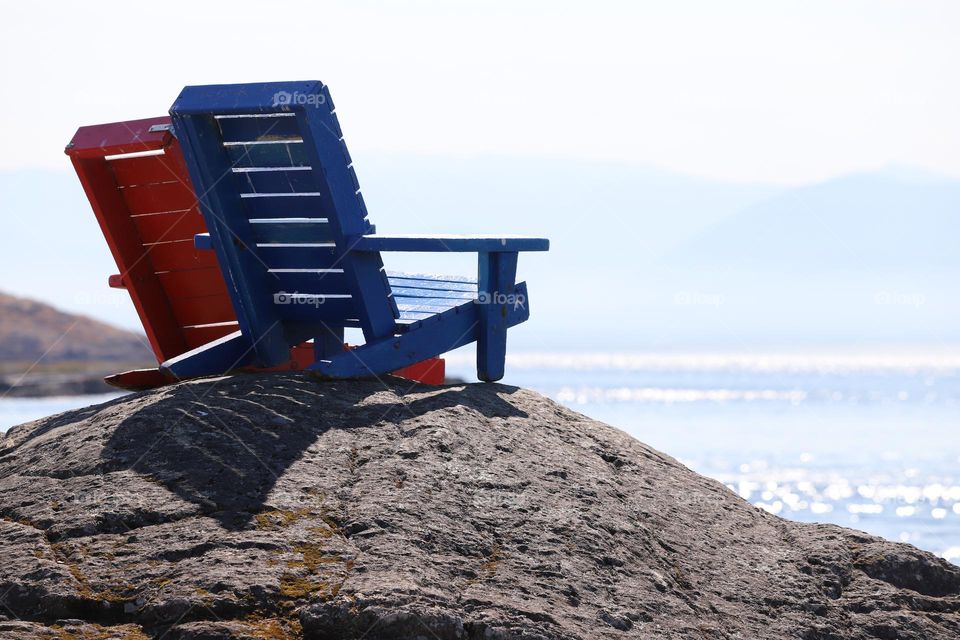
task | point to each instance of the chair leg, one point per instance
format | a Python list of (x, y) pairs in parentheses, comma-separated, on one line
[(329, 343), (497, 276)]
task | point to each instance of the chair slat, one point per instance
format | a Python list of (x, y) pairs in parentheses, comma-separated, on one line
[(431, 277), (294, 257), (179, 256), (407, 317), (168, 227), (198, 283), (287, 180), (431, 294), (158, 198), (267, 155), (434, 285), (309, 282), (302, 308), (199, 336), (435, 305), (205, 310), (284, 207), (141, 170), (291, 232), (245, 129)]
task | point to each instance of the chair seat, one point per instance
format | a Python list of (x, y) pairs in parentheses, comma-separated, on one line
[(421, 296)]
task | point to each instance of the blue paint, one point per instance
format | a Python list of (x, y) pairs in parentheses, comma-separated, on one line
[(271, 168)]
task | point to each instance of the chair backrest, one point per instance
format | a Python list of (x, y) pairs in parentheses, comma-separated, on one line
[(137, 184), (278, 191)]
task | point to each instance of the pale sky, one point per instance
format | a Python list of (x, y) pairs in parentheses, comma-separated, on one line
[(765, 91)]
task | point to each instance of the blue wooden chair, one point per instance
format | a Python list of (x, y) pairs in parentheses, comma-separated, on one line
[(286, 219)]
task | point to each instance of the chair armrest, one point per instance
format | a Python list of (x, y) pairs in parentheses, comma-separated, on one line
[(481, 244)]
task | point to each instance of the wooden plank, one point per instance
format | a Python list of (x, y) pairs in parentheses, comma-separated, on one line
[(144, 170), (431, 277), (419, 287), (179, 256), (208, 310), (132, 136), (415, 315), (288, 180), (442, 294), (298, 257), (169, 227), (138, 379), (159, 198), (424, 305), (193, 284), (242, 129), (314, 310), (199, 336), (363, 207), (309, 282), (442, 243), (284, 207), (291, 232), (267, 155)]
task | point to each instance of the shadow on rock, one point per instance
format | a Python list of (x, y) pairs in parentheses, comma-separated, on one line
[(222, 444)]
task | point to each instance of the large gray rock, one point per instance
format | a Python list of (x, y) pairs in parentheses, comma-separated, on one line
[(276, 506)]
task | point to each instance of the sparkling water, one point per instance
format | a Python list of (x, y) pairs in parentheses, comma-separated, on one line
[(864, 441)]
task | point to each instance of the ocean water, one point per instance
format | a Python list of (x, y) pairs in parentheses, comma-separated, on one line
[(14, 411), (865, 441)]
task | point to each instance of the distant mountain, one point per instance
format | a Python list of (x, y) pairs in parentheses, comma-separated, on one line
[(879, 222), (593, 212), (31, 332), (867, 259)]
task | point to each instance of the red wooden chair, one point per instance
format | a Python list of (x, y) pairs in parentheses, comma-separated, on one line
[(134, 175)]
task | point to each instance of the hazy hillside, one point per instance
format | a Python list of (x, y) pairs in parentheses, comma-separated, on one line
[(863, 260), (31, 331), (870, 222)]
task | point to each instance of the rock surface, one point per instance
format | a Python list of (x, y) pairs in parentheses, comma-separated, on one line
[(278, 506)]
